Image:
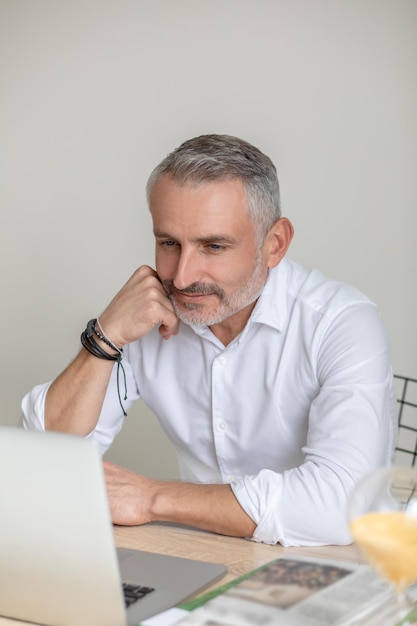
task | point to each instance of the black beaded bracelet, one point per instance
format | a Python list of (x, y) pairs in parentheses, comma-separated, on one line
[(89, 342), (97, 328)]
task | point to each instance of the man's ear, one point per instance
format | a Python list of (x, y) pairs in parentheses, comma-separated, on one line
[(278, 241)]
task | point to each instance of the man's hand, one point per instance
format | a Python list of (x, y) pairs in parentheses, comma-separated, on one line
[(140, 305), (129, 495), (135, 499)]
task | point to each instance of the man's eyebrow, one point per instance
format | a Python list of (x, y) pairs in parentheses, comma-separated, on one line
[(160, 235), (215, 237)]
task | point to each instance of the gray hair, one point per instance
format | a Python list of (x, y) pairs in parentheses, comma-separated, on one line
[(222, 157)]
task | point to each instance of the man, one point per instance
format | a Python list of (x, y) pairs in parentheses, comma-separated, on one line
[(272, 382)]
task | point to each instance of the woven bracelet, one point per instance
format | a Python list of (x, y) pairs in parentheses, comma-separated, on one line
[(89, 342)]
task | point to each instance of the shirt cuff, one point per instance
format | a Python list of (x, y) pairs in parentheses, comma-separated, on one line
[(259, 497), (33, 408)]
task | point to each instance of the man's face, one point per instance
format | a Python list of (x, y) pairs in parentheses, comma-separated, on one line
[(207, 254)]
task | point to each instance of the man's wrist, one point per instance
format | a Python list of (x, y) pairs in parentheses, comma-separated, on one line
[(90, 339), (104, 339)]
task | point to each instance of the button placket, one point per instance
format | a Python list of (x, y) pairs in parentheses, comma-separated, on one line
[(220, 426)]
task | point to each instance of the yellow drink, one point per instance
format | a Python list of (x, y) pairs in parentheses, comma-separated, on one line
[(389, 541)]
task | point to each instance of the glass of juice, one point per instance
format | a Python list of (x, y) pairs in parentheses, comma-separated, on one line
[(383, 522)]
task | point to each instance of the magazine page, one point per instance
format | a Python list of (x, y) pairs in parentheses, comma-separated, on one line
[(294, 591)]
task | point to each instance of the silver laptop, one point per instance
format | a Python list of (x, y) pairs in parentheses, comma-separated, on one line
[(58, 562)]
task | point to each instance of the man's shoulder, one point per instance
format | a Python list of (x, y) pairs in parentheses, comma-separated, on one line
[(314, 289)]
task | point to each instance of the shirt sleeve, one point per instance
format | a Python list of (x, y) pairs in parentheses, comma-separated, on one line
[(121, 392), (33, 408), (352, 426)]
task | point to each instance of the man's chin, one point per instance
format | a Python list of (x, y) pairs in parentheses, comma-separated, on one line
[(193, 315), (192, 318)]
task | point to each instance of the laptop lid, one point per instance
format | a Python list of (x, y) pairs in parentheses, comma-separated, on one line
[(58, 562)]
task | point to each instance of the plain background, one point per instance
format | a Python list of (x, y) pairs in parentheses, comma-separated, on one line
[(95, 93)]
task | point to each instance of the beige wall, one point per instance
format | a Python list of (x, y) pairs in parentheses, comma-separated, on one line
[(95, 92)]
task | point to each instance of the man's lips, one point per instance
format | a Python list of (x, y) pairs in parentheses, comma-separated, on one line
[(191, 297)]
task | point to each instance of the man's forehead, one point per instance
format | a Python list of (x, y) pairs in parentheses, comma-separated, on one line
[(213, 210)]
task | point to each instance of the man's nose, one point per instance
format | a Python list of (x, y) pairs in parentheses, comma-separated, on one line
[(188, 269)]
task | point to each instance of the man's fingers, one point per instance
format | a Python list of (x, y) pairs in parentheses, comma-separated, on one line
[(166, 331), (139, 306)]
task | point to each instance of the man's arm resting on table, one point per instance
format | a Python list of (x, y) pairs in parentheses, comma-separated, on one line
[(135, 499)]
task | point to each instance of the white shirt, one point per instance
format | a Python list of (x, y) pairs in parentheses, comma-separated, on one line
[(291, 413)]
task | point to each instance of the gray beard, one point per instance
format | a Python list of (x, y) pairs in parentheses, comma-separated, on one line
[(228, 305)]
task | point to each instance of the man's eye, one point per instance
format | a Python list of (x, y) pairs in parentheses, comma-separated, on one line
[(168, 244), (215, 247)]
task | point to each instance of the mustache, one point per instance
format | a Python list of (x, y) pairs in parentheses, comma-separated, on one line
[(195, 288)]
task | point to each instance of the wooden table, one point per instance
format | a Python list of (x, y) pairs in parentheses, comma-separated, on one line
[(240, 555)]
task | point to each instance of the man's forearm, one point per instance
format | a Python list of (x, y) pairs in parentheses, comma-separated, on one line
[(210, 507), (135, 499), (74, 400)]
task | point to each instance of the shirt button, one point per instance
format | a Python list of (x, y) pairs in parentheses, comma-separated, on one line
[(222, 425), (221, 360)]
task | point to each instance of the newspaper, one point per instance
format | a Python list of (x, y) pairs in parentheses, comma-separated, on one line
[(292, 592)]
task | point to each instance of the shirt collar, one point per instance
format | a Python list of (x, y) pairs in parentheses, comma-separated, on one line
[(271, 307)]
